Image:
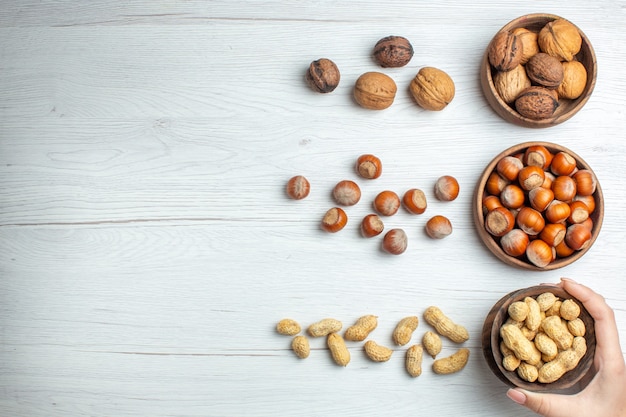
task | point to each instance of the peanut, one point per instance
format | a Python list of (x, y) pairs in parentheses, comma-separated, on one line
[(404, 330), (553, 370), (361, 329), (338, 349), (518, 311), (511, 362), (324, 327), (546, 345), (453, 363), (569, 310), (579, 345), (300, 345), (546, 301), (432, 343), (533, 320), (557, 331), (288, 327), (376, 352), (528, 372), (555, 309), (445, 326), (523, 348), (576, 327), (413, 360)]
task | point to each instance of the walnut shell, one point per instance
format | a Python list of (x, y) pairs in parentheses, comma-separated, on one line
[(505, 51), (537, 103), (574, 80), (432, 88), (393, 52), (375, 90), (323, 75), (545, 70), (560, 39), (510, 84), (530, 46)]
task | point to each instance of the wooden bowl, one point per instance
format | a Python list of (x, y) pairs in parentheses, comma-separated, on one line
[(492, 242), (574, 379), (567, 108)]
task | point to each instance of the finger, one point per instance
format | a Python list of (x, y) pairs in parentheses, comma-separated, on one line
[(607, 337), (547, 405)]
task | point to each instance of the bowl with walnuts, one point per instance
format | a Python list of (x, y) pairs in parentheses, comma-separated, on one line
[(540, 338), (538, 206), (538, 70)]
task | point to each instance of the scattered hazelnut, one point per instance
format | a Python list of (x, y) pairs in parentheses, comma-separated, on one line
[(323, 75), (369, 166), (346, 193), (446, 188), (372, 225), (574, 80), (432, 88), (560, 39), (505, 51), (375, 91), (334, 220), (298, 187), (536, 103), (438, 227), (393, 51), (387, 203), (545, 70), (414, 201), (395, 242)]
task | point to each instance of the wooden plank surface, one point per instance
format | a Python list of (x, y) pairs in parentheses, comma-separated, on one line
[(147, 248)]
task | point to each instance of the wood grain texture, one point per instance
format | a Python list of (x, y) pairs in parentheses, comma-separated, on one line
[(147, 247)]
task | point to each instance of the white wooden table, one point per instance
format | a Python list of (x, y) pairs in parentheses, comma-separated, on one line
[(147, 248)]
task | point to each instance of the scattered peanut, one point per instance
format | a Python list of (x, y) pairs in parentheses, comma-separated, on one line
[(404, 330), (376, 352), (300, 345), (432, 343), (338, 349), (453, 363), (445, 326), (413, 360), (361, 329), (288, 327), (324, 327)]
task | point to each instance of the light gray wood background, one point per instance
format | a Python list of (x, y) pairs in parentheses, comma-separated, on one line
[(147, 248)]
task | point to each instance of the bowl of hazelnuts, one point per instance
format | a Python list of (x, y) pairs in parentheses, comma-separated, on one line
[(538, 206), (538, 71)]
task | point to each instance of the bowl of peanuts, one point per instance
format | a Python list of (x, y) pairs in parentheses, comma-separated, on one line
[(538, 206), (540, 338)]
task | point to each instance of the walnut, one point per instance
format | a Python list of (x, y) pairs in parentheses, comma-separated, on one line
[(560, 39), (432, 88), (530, 46), (510, 84), (375, 90), (393, 52), (505, 51), (537, 103), (574, 80), (323, 75), (545, 70)]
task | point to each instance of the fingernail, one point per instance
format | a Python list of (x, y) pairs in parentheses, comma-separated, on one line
[(563, 279), (517, 396)]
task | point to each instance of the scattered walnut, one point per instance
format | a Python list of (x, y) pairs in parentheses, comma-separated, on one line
[(393, 51), (375, 90), (432, 88), (323, 75)]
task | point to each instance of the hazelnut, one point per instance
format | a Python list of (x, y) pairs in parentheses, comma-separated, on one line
[(530, 46), (393, 52), (560, 39), (369, 166), (395, 242), (545, 70), (536, 103), (298, 187), (509, 84), (346, 193), (574, 80), (323, 75), (387, 203), (375, 91), (432, 88), (414, 201), (372, 225), (334, 220), (438, 227), (505, 51), (446, 188)]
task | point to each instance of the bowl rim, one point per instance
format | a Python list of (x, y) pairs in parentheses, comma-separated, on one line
[(491, 341), (489, 241), (507, 112)]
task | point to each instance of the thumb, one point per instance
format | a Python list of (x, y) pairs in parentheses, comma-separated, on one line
[(547, 405)]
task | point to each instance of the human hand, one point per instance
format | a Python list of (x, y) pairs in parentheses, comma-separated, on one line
[(605, 396)]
